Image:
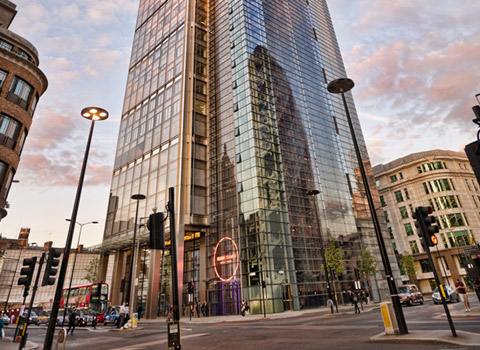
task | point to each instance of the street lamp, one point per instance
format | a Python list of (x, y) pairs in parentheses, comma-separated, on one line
[(133, 271), (340, 86), (94, 114), (313, 193), (73, 267)]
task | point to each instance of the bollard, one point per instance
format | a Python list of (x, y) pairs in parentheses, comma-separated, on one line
[(61, 339), (391, 326)]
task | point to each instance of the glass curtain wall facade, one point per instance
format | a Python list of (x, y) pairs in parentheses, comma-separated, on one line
[(233, 112)]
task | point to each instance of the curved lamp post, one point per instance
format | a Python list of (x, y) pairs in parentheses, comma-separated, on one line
[(94, 114), (133, 271), (74, 262), (340, 86)]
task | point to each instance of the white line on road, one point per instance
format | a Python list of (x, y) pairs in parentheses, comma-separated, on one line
[(157, 342)]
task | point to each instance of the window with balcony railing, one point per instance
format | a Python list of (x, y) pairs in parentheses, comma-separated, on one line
[(9, 131), (20, 92)]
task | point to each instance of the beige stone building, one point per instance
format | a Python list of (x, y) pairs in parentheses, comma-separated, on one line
[(443, 180), (12, 253)]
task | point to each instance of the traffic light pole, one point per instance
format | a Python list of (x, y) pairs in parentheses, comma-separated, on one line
[(175, 344), (440, 289), (28, 272), (426, 238), (20, 317), (34, 291)]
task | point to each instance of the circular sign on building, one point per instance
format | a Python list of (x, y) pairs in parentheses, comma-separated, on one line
[(226, 259)]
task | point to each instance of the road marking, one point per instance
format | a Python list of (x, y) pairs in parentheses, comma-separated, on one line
[(157, 342)]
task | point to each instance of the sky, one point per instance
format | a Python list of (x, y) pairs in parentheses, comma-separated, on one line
[(415, 64)]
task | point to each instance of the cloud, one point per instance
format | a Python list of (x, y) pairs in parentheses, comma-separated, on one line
[(417, 66)]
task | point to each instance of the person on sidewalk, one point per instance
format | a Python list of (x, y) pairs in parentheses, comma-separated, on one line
[(2, 324), (202, 309), (355, 303), (462, 290), (72, 321)]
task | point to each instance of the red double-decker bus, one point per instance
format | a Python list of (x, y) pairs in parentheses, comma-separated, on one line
[(93, 296)]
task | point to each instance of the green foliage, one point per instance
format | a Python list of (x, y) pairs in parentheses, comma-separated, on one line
[(92, 270), (367, 264), (333, 257), (407, 262)]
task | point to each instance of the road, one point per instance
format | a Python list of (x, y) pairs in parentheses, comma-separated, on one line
[(307, 332)]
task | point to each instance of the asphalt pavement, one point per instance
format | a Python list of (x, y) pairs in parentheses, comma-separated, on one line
[(418, 336)]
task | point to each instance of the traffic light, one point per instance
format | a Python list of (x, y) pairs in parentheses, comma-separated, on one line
[(424, 222), (191, 287), (27, 272), (155, 226), (50, 269)]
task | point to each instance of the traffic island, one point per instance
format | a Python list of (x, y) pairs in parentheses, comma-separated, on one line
[(434, 336)]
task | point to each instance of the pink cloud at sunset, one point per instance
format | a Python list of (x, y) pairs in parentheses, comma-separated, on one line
[(414, 63)]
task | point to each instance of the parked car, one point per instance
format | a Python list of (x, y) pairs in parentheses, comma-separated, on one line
[(33, 317), (111, 316), (6, 320), (410, 294), (451, 295)]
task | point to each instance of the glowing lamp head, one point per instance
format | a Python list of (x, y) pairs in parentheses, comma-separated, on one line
[(94, 113)]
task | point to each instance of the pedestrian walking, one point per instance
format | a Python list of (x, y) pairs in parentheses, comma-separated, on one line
[(242, 308), (197, 309), (355, 303), (123, 315), (462, 290), (202, 308), (2, 324), (72, 321)]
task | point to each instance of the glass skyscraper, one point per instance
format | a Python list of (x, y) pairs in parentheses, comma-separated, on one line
[(226, 101)]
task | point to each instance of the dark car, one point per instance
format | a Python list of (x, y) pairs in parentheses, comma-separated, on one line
[(410, 294), (6, 320), (451, 295)]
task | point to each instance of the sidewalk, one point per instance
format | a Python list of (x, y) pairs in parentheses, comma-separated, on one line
[(342, 310), (433, 336), (7, 344), (475, 312), (437, 336)]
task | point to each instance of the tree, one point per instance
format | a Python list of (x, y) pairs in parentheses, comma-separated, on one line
[(334, 263), (367, 266), (407, 264), (92, 270), (333, 257)]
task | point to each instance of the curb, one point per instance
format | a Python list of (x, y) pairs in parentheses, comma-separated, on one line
[(463, 338)]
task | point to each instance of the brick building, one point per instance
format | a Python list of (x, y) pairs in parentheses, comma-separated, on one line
[(21, 85)]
